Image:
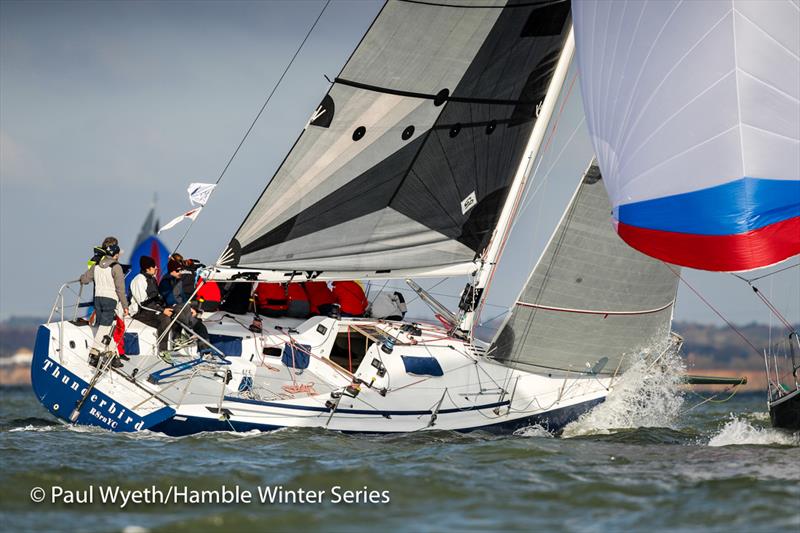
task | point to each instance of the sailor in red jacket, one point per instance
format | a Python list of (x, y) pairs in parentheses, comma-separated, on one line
[(271, 299), (350, 297), (320, 297), (208, 295)]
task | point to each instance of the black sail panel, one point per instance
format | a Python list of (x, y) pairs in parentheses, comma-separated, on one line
[(407, 161)]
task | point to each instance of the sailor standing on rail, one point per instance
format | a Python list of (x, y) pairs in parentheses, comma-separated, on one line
[(109, 297)]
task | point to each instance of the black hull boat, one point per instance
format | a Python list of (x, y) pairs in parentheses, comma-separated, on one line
[(784, 410), (784, 400)]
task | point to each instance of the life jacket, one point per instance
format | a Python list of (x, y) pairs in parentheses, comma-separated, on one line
[(153, 296), (208, 294), (351, 297), (104, 285), (297, 293), (271, 296), (99, 254), (318, 294)]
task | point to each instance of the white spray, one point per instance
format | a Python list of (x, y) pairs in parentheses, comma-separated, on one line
[(648, 394), (738, 432)]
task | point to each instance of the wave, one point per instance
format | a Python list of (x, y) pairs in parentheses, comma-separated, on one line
[(31, 427), (533, 431), (738, 432), (27, 424), (647, 394)]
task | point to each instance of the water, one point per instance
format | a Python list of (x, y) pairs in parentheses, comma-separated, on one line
[(647, 459)]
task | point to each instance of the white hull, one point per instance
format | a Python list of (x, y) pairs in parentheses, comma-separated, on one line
[(472, 392)]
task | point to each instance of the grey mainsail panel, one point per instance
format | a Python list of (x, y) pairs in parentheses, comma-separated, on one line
[(592, 302), (407, 161)]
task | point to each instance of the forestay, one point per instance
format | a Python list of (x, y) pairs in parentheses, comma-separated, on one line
[(407, 161), (694, 112), (592, 302)]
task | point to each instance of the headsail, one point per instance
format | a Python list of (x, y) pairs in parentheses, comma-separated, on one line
[(591, 302), (694, 112), (407, 161)]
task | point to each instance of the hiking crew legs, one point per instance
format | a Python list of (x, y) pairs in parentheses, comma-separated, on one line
[(105, 313), (159, 321)]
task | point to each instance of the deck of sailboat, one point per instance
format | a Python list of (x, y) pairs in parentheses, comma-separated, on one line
[(272, 380)]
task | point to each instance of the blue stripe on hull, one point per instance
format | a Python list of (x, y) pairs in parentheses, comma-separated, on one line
[(554, 421), (364, 411), (740, 206)]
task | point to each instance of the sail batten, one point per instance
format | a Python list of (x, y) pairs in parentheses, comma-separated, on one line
[(408, 159)]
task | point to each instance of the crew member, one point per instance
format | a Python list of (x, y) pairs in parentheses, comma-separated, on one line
[(271, 299), (350, 297), (147, 305), (173, 289), (109, 294), (320, 298), (208, 295), (388, 306)]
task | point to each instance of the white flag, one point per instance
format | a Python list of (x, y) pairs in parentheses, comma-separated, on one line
[(200, 192), (192, 214)]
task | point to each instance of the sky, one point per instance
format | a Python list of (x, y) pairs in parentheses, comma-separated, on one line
[(104, 104)]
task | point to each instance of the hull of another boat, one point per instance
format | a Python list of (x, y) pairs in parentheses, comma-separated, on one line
[(784, 412), (350, 383)]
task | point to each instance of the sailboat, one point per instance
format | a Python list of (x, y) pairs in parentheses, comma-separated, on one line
[(694, 113), (148, 243), (414, 165)]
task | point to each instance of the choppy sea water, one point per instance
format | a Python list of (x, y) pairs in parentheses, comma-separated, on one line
[(650, 458)]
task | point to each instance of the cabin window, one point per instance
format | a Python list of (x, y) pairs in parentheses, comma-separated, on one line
[(352, 343)]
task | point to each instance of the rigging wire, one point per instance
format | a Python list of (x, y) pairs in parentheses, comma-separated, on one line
[(260, 112), (764, 299), (520, 200), (751, 280), (714, 309)]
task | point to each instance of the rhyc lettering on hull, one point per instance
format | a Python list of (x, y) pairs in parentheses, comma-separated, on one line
[(106, 411)]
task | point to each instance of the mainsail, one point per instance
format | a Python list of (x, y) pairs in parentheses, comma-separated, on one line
[(592, 302), (694, 112), (407, 162)]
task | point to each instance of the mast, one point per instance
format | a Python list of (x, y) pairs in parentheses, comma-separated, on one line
[(470, 300)]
